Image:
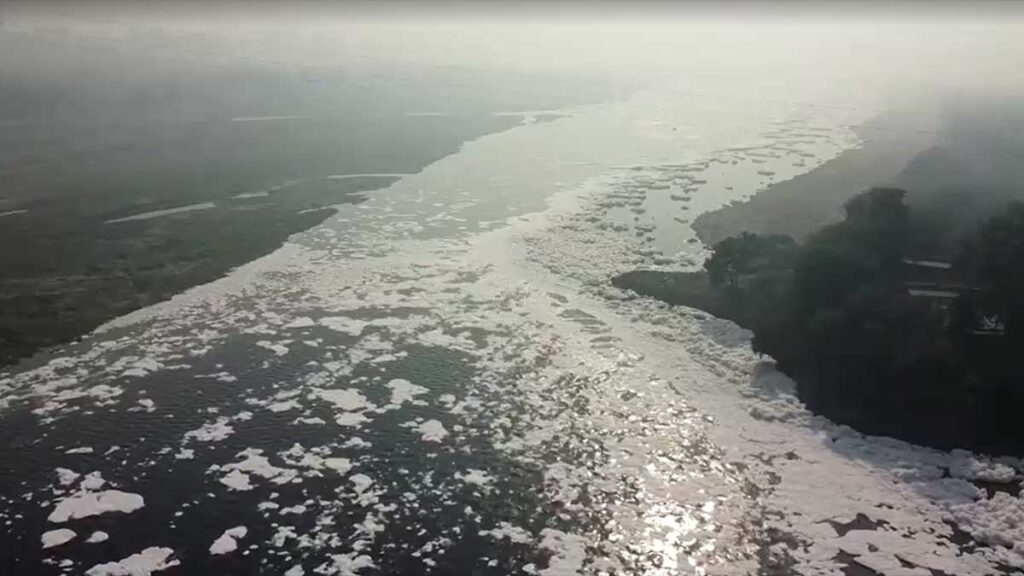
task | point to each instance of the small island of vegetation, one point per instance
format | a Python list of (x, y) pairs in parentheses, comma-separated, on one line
[(885, 322)]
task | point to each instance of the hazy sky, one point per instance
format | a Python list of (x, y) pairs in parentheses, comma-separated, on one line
[(904, 48)]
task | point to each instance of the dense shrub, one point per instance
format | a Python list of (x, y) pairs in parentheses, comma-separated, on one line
[(837, 316)]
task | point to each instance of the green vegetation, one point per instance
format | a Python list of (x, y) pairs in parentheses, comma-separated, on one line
[(874, 338), (682, 289), (741, 266), (894, 346), (94, 273)]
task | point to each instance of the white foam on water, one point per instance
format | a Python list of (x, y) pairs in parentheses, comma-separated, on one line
[(512, 533), (253, 463), (85, 504), (165, 212), (351, 419), (144, 563), (368, 175), (92, 481), (432, 431), (348, 399), (344, 325), (266, 193), (257, 194), (568, 552), (403, 391), (473, 476), (66, 477), (339, 465), (236, 480), (301, 322), (284, 406), (211, 431), (659, 436), (275, 347), (228, 541), (268, 118), (57, 537)]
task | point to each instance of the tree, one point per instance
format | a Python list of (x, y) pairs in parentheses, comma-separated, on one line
[(996, 256), (865, 351), (868, 246), (748, 254), (836, 325)]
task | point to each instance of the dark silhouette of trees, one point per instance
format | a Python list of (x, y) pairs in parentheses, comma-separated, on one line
[(997, 262), (839, 315), (746, 255)]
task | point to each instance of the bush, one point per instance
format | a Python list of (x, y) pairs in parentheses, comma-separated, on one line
[(837, 317)]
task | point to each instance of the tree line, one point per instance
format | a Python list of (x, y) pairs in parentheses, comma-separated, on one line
[(881, 338)]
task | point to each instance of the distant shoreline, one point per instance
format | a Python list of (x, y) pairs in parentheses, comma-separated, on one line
[(121, 253), (804, 203), (795, 207)]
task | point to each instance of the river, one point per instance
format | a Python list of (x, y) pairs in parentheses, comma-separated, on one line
[(441, 380)]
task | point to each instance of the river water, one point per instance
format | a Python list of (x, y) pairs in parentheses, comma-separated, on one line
[(441, 380)]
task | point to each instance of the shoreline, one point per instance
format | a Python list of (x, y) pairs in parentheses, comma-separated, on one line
[(795, 207), (783, 209), (804, 203), (135, 257), (512, 332)]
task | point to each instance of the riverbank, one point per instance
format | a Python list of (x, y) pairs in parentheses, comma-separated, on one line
[(452, 390), (795, 207), (810, 310), (802, 204), (120, 190), (690, 289)]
